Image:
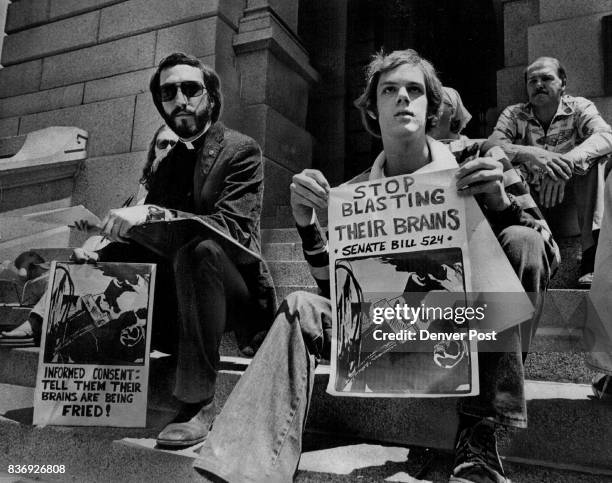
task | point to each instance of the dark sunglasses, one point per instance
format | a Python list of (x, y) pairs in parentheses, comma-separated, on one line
[(164, 143), (188, 88)]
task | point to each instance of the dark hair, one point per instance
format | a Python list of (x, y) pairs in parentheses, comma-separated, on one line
[(24, 256), (147, 171), (382, 63), (211, 81), (560, 69)]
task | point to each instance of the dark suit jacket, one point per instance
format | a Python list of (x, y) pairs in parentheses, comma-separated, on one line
[(227, 193)]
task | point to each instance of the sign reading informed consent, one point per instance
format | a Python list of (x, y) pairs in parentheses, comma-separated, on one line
[(94, 361)]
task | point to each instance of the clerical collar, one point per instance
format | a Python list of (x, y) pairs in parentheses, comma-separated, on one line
[(188, 142)]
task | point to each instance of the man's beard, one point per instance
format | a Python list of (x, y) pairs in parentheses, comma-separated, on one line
[(187, 127)]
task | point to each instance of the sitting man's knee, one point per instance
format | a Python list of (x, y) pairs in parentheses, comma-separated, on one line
[(196, 251), (523, 246), (312, 313)]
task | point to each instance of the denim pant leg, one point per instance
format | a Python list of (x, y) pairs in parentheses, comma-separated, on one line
[(501, 372), (208, 285), (257, 437)]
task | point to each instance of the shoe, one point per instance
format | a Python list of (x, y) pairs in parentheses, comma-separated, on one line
[(602, 387), (188, 429), (476, 456), (586, 280), (20, 336)]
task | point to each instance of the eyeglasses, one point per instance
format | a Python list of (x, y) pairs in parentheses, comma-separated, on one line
[(164, 143), (188, 88)]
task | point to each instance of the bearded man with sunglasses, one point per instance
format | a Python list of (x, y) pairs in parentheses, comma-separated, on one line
[(214, 173)]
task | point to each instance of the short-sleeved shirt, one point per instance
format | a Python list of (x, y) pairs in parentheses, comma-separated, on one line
[(576, 120)]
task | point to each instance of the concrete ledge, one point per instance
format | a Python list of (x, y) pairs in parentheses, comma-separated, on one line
[(9, 127), (49, 155), (109, 122)]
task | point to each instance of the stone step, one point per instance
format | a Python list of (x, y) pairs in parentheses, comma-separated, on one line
[(280, 235), (569, 271), (283, 290), (566, 428), (556, 356), (282, 252), (290, 273)]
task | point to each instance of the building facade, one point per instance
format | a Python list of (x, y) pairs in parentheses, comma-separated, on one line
[(290, 69)]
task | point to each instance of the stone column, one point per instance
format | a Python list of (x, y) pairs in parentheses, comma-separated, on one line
[(275, 79)]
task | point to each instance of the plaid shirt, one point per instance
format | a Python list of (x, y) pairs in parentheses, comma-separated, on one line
[(577, 131), (522, 212)]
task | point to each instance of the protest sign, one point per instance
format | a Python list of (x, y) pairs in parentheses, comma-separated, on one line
[(396, 246), (94, 361)]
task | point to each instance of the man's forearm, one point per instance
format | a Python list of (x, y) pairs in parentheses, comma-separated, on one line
[(586, 154), (516, 153)]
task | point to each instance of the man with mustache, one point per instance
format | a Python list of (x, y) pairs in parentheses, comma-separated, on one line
[(553, 137), (216, 174)]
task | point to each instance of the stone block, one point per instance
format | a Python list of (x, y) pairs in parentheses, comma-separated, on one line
[(604, 106), (108, 123), (267, 80), (577, 44), (20, 79), (264, 32), (517, 17), (69, 34), (224, 62), (9, 127), (551, 10), (280, 139), (196, 38), (277, 179), (510, 86), (146, 122), (119, 85), (25, 13), (286, 10), (328, 128), (65, 8), (141, 15), (42, 101), (99, 61), (106, 182)]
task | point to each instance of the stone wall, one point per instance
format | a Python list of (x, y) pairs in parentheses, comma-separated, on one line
[(87, 63), (566, 29)]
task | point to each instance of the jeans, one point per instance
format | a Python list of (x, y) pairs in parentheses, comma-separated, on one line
[(257, 437), (204, 286)]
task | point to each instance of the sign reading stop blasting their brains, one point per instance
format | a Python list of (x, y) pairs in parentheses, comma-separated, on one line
[(400, 271)]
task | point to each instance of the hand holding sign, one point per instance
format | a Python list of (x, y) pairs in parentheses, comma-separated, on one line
[(484, 176), (309, 190)]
